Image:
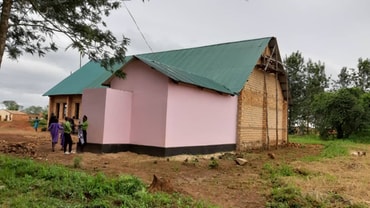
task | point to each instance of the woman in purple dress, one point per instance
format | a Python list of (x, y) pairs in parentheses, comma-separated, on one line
[(54, 132)]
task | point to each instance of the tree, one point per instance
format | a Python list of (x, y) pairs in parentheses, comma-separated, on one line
[(294, 65), (365, 103), (34, 110), (363, 74), (28, 26), (360, 77), (305, 81), (11, 105), (345, 78), (320, 110), (341, 110), (316, 83)]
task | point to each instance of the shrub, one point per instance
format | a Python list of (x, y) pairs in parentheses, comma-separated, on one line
[(213, 164), (77, 162)]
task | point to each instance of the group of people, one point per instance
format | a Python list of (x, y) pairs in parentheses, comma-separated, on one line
[(63, 132)]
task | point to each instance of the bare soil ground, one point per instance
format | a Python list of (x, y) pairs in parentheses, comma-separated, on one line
[(228, 185)]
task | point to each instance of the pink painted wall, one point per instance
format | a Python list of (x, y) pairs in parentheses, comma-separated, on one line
[(117, 129), (165, 114), (93, 105), (197, 117), (109, 115), (149, 102)]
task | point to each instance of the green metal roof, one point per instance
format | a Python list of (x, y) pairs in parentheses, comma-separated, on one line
[(90, 75), (222, 67)]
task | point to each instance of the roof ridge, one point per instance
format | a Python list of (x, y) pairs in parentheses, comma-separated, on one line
[(205, 46)]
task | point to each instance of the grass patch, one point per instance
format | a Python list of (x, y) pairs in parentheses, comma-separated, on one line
[(278, 171), (290, 196), (25, 183), (332, 148), (284, 192), (306, 139), (363, 138), (283, 195)]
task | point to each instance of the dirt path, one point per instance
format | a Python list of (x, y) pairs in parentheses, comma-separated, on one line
[(228, 185)]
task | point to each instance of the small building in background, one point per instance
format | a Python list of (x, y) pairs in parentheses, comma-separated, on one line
[(11, 115)]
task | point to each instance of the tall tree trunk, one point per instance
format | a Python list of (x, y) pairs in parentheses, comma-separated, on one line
[(4, 25)]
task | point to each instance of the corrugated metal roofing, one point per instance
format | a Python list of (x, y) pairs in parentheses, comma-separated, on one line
[(183, 76), (223, 67), (90, 75)]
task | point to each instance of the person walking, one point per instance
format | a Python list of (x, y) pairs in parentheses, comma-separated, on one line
[(54, 128), (36, 123), (67, 136), (53, 119)]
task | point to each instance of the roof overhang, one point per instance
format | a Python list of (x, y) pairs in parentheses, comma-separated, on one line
[(273, 64)]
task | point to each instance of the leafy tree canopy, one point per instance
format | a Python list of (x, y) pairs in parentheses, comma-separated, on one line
[(341, 110), (34, 110), (295, 70), (305, 81), (360, 77), (11, 105), (32, 26)]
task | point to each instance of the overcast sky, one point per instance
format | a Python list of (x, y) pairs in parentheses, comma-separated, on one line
[(335, 32)]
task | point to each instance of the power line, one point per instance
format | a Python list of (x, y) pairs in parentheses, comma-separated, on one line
[(138, 28)]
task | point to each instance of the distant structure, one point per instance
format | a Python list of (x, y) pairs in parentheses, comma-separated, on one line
[(10, 115)]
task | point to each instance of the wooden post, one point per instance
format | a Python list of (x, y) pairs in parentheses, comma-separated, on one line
[(277, 110), (265, 108), (265, 96)]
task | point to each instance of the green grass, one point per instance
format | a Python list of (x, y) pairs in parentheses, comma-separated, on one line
[(332, 148), (306, 139), (361, 138), (283, 195), (25, 183)]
